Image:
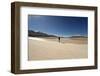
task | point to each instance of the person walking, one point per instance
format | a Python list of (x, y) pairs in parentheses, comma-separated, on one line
[(59, 39)]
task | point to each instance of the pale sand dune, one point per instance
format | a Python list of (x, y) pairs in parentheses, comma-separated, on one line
[(44, 49)]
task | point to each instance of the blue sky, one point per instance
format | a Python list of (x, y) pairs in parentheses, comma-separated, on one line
[(59, 25)]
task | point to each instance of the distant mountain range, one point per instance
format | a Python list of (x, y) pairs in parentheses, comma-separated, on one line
[(39, 34), (32, 33)]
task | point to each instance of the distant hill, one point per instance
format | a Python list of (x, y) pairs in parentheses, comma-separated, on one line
[(39, 34), (78, 37), (32, 33)]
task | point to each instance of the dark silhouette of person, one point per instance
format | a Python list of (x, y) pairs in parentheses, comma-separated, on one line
[(59, 39)]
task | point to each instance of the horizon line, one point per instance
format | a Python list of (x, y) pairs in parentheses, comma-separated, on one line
[(60, 35)]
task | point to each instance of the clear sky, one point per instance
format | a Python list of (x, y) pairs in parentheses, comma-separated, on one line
[(59, 25)]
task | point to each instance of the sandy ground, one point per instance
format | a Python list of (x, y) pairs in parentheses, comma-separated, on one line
[(50, 48)]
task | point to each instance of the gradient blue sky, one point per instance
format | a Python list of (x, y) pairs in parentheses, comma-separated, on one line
[(59, 25)]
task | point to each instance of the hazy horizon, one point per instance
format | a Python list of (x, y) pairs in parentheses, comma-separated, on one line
[(56, 35)]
